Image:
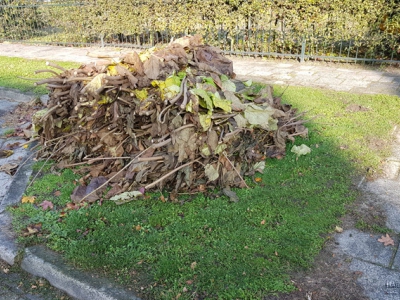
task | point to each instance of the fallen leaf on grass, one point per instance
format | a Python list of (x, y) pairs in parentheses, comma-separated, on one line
[(301, 150), (386, 240), (28, 199), (193, 265), (231, 194), (57, 193), (126, 197), (338, 229), (46, 204)]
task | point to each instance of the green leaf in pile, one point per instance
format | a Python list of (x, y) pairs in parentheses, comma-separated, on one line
[(224, 104), (204, 99), (227, 85)]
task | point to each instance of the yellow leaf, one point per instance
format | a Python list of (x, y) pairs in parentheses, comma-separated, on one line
[(141, 94), (205, 121), (112, 71), (25, 146), (28, 199)]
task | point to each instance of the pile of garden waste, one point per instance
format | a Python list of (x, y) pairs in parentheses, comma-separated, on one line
[(171, 117)]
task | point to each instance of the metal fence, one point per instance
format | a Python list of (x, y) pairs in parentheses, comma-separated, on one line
[(37, 23)]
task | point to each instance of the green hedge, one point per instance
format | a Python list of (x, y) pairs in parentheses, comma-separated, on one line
[(241, 24)]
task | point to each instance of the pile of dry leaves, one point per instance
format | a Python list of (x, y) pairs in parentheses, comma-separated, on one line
[(170, 117)]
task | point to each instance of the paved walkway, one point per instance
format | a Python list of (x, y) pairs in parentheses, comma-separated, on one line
[(380, 265), (332, 76)]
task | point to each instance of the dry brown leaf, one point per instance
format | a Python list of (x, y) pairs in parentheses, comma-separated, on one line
[(386, 240)]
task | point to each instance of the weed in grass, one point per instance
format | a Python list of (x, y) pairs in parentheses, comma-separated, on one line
[(8, 132), (213, 248)]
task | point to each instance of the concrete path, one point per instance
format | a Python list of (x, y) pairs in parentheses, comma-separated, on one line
[(378, 264)]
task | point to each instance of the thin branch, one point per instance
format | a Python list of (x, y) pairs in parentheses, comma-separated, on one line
[(241, 178), (115, 175), (169, 174), (50, 64)]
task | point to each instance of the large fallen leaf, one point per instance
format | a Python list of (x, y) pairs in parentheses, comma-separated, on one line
[(91, 192), (231, 194), (386, 240), (126, 197), (224, 104), (152, 67), (46, 204), (5, 153), (9, 168), (211, 172), (94, 84), (259, 166), (227, 85), (261, 116), (300, 150)]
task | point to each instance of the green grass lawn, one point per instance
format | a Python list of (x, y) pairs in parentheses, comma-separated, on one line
[(14, 69), (204, 244)]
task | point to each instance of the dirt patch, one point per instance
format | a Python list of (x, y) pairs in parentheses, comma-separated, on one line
[(329, 279), (377, 144), (356, 108)]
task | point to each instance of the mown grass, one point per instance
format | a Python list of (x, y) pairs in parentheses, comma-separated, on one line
[(15, 69), (207, 246)]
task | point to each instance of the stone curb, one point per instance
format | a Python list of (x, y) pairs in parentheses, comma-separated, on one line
[(18, 96), (40, 261)]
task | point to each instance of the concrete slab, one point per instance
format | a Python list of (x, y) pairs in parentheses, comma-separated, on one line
[(365, 247), (329, 81), (378, 283), (386, 79), (15, 96), (303, 73), (40, 261), (8, 246), (391, 168), (351, 81), (383, 86), (340, 88), (19, 180), (371, 77)]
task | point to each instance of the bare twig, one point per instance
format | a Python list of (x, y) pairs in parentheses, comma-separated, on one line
[(50, 64), (169, 174), (176, 98), (47, 71), (115, 175), (241, 178)]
